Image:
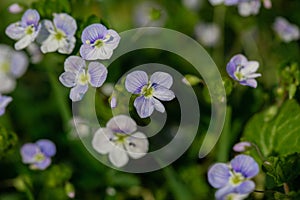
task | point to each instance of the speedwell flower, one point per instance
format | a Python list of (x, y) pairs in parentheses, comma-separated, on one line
[(149, 91), (243, 71), (59, 35), (78, 76), (242, 146), (38, 154), (120, 140), (13, 65), (26, 30), (285, 30), (233, 178), (98, 42), (4, 101)]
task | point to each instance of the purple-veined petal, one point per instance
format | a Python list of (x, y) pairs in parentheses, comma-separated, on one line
[(68, 79), (15, 31), (239, 59), (249, 82), (50, 44), (135, 81), (245, 165), (162, 78), (47, 147), (103, 140), (74, 64), (31, 17), (163, 93), (43, 164), (19, 63), (8, 84), (28, 152), (92, 33), (78, 92), (158, 106), (94, 53), (137, 145), (222, 193), (24, 42), (231, 68), (245, 187), (144, 106), (118, 156), (250, 67), (218, 175), (66, 23), (67, 45), (113, 39), (121, 124), (98, 74)]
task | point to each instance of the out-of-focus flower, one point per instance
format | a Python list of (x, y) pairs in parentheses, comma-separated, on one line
[(149, 14), (216, 2), (15, 8), (241, 146), (35, 53), (26, 30), (98, 42), (192, 4), (79, 128), (107, 89), (243, 71), (267, 4), (249, 7), (59, 35), (120, 141), (38, 154), (113, 102), (13, 64), (208, 33), (286, 31), (4, 101), (234, 178), (78, 76), (149, 91)]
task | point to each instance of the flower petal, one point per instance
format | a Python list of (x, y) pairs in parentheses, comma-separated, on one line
[(223, 192), (98, 74), (94, 53), (135, 81), (93, 32), (245, 187), (118, 156), (249, 82), (102, 141), (163, 93), (74, 64), (24, 42), (28, 152), (121, 124), (162, 78), (144, 106), (8, 84), (245, 165), (218, 175), (31, 17), (19, 63), (250, 67), (51, 44), (4, 101), (68, 79), (66, 23), (114, 39), (78, 92), (43, 164), (15, 31), (66, 46), (137, 145), (158, 106), (47, 147)]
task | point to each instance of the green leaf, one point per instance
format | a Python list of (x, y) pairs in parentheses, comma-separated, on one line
[(280, 135), (8, 141)]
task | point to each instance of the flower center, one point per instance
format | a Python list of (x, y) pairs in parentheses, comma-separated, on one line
[(236, 178), (5, 67), (238, 74), (147, 90), (121, 138), (39, 157), (29, 30), (98, 43), (83, 78), (59, 35)]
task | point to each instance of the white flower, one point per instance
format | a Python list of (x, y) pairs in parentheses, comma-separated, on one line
[(120, 141), (208, 33)]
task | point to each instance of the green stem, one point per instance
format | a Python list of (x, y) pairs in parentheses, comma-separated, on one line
[(28, 192)]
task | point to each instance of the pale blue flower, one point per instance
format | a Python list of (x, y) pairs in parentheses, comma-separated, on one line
[(285, 30), (38, 154), (78, 76), (243, 71), (249, 7), (26, 30), (120, 140), (59, 35), (98, 42), (13, 64), (242, 146), (4, 101), (233, 178), (149, 91), (15, 8)]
